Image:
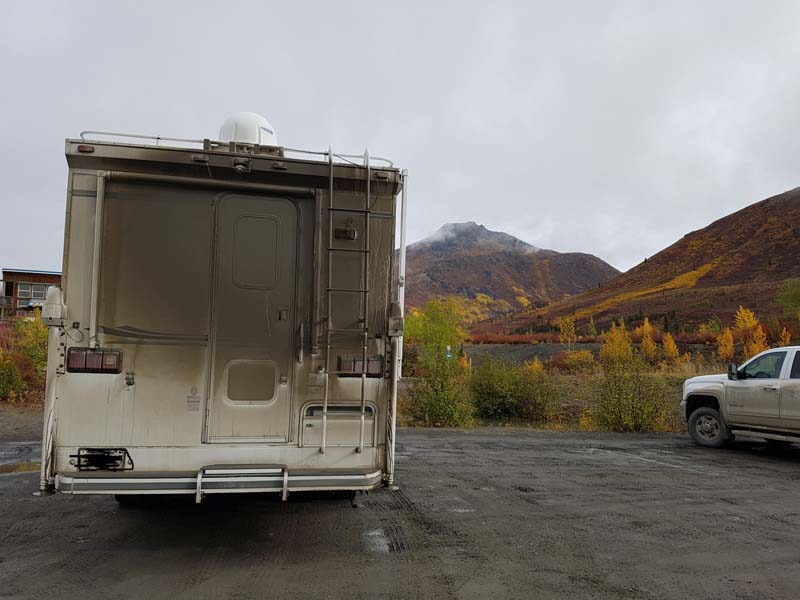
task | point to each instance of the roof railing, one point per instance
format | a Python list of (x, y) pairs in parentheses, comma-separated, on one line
[(351, 159)]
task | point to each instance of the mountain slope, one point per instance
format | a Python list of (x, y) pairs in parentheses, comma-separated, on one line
[(742, 258), (468, 260)]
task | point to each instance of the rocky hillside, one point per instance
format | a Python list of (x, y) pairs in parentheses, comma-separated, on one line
[(742, 258), (495, 270)]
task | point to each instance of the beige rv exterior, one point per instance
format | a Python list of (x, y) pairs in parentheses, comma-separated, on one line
[(242, 286)]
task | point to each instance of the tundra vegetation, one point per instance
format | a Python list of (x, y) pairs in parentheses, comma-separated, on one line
[(23, 358), (633, 383)]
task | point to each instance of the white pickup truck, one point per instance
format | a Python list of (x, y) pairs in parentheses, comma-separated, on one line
[(760, 398)]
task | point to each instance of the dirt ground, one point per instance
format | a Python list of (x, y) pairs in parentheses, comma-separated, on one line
[(20, 422), (487, 513)]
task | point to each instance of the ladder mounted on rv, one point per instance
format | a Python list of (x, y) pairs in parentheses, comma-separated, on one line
[(360, 333)]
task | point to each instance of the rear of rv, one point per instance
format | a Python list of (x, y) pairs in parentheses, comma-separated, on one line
[(227, 321)]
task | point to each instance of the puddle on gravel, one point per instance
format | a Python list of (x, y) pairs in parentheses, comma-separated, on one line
[(374, 540)]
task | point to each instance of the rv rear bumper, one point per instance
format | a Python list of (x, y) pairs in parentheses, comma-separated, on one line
[(218, 479)]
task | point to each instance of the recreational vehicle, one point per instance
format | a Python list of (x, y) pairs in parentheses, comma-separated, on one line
[(230, 318)]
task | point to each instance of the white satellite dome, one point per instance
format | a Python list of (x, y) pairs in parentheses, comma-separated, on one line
[(248, 128)]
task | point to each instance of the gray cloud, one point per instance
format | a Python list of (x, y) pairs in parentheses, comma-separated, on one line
[(612, 128)]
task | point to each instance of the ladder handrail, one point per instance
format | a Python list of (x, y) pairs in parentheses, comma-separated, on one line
[(363, 291), (365, 300)]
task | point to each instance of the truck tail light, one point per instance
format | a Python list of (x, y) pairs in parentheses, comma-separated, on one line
[(94, 360)]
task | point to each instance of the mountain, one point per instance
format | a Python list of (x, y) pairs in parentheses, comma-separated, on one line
[(742, 258), (496, 270)]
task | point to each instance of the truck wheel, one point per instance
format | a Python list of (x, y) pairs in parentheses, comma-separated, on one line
[(708, 429)]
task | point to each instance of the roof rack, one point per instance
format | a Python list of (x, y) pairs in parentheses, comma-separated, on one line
[(364, 159)]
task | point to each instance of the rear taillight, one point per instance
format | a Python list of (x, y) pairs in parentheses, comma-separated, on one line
[(94, 360)]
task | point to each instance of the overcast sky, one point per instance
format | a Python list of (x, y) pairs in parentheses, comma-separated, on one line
[(605, 127)]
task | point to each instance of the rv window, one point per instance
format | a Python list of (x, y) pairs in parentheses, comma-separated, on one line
[(252, 380), (156, 257)]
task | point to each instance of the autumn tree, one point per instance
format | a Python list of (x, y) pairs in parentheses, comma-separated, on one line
[(745, 319), (438, 325), (646, 328), (441, 396), (786, 338), (32, 342), (756, 343), (648, 346), (591, 330), (617, 345), (566, 331), (670, 348), (725, 345)]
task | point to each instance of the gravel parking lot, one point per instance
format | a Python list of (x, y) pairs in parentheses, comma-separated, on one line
[(487, 513)]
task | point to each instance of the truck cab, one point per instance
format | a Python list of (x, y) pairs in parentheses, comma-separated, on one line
[(760, 398)]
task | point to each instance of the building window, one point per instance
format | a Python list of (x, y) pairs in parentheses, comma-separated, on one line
[(32, 290)]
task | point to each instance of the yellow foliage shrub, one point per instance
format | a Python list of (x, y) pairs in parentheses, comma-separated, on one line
[(579, 361), (616, 344), (756, 343), (725, 345), (670, 348), (649, 348), (535, 366), (745, 318)]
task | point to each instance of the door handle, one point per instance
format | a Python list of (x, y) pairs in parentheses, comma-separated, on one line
[(300, 344), (770, 388)]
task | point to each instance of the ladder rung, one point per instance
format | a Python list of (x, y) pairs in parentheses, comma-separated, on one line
[(332, 330), (355, 291), (362, 250), (350, 210), (372, 213)]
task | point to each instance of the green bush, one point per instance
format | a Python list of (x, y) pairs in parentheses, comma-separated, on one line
[(11, 382), (441, 396), (33, 342), (503, 391), (632, 400), (790, 298)]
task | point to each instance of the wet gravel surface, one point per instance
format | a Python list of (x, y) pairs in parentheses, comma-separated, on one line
[(487, 513)]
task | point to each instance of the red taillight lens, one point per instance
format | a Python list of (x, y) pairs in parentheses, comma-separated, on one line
[(76, 360), (94, 360), (112, 361)]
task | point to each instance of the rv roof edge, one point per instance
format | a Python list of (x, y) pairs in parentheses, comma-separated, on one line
[(210, 183)]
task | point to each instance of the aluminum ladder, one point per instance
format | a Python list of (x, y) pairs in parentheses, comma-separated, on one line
[(363, 292)]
